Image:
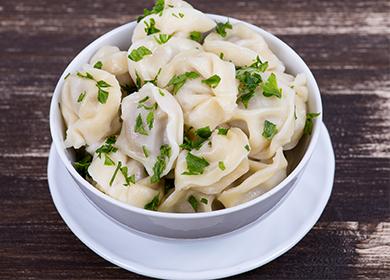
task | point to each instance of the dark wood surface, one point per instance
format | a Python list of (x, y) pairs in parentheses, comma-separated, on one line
[(345, 43)]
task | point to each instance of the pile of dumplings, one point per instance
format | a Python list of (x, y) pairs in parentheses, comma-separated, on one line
[(165, 126)]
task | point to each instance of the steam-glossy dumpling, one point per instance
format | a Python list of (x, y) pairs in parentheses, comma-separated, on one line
[(152, 129), (278, 111), (87, 119), (225, 165), (123, 179), (179, 21), (202, 104), (148, 68), (114, 61), (242, 45), (261, 178)]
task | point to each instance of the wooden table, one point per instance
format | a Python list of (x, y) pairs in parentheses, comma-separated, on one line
[(345, 43)]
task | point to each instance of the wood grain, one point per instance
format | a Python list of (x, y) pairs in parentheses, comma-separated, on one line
[(345, 43)]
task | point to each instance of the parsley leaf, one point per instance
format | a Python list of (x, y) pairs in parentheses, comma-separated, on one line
[(118, 167), (154, 81), (204, 132), (221, 55), (138, 81), (108, 161), (196, 140), (194, 202), (82, 96), (150, 119), (309, 122), (204, 200), (161, 163), (145, 150), (67, 75), (157, 9), (139, 53), (178, 81), (249, 79), (161, 92), (269, 130), (196, 36), (129, 179), (162, 38), (221, 165), (139, 126), (221, 28), (222, 131), (270, 87), (153, 204), (195, 165), (247, 147), (82, 165), (98, 65), (151, 27), (85, 76), (102, 96), (107, 147), (213, 81)]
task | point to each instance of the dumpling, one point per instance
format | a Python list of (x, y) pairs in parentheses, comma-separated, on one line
[(189, 202), (204, 85), (90, 103), (114, 61), (179, 21), (264, 113), (211, 168), (152, 129), (261, 178), (123, 179), (242, 45), (148, 67)]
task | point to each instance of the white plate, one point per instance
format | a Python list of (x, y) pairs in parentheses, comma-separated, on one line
[(215, 257)]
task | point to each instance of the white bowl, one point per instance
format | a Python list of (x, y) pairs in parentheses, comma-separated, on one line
[(191, 225)]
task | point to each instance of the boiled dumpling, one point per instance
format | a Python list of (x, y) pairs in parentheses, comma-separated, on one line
[(261, 178), (179, 21), (204, 85), (152, 129), (114, 61), (242, 45), (90, 103), (123, 179), (159, 53)]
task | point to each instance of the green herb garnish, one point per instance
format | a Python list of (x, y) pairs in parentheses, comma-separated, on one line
[(139, 53), (154, 81), (196, 36), (161, 92), (118, 167), (195, 141), (221, 165), (129, 179), (153, 204), (145, 150), (161, 163), (150, 119), (270, 87), (162, 38), (82, 96), (139, 126), (221, 55), (85, 76), (269, 130), (247, 147), (108, 161), (309, 122), (151, 27), (223, 131), (194, 202), (138, 81), (107, 147), (98, 65), (195, 165), (67, 75), (213, 81), (157, 9), (82, 165), (221, 28), (178, 81), (204, 200)]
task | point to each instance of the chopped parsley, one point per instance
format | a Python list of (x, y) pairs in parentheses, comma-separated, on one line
[(118, 167), (139, 53), (195, 140), (162, 38), (221, 28), (146, 98), (153, 204), (138, 81), (129, 179), (108, 161), (269, 130), (178, 81), (82, 96), (102, 94), (98, 65), (161, 163), (204, 132), (213, 81), (181, 15), (196, 36), (223, 131), (85, 76), (221, 165), (154, 81), (194, 202), (249, 79), (67, 75), (157, 9), (270, 87), (151, 27), (145, 150), (195, 165), (150, 119), (82, 165), (139, 126), (204, 200), (161, 92), (221, 55), (309, 122), (247, 147), (107, 147)]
